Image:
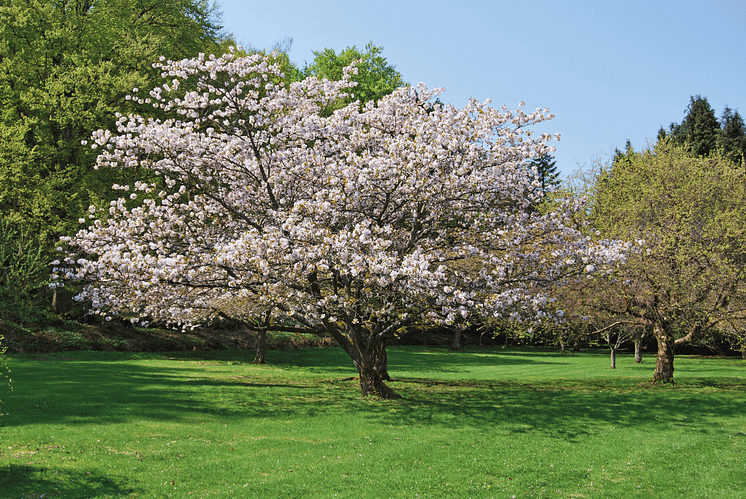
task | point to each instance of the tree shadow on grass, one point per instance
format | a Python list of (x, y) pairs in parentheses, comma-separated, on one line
[(572, 412), (26, 482), (104, 392)]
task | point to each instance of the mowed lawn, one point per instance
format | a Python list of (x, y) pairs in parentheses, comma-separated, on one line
[(497, 423)]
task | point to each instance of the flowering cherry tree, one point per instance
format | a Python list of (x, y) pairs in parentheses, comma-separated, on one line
[(359, 223)]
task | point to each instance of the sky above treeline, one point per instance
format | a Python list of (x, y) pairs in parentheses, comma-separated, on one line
[(609, 71)]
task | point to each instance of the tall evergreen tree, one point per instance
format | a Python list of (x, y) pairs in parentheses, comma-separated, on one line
[(732, 137), (700, 127), (546, 167)]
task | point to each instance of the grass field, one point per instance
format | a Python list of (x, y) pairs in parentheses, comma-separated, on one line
[(487, 423)]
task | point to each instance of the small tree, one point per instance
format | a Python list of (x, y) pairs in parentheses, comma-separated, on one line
[(546, 169), (359, 224)]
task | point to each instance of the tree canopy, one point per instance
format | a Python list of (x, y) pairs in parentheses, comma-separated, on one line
[(701, 131), (375, 76)]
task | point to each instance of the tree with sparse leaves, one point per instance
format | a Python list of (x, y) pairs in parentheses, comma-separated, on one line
[(688, 214)]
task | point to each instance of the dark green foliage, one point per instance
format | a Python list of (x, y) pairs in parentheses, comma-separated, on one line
[(5, 379), (546, 167), (703, 133), (700, 127), (24, 275), (732, 138)]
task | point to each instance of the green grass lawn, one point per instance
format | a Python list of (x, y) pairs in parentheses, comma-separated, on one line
[(487, 423)]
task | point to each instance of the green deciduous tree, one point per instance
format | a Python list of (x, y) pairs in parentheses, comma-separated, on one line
[(375, 76), (66, 68), (689, 215)]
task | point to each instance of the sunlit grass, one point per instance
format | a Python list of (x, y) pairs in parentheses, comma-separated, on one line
[(488, 423)]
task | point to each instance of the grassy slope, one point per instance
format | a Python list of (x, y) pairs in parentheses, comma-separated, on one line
[(498, 423)]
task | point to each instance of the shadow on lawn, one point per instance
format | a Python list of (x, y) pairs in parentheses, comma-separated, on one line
[(101, 392), (26, 482)]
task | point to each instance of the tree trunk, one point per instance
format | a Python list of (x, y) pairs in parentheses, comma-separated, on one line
[(664, 361), (381, 361), (457, 330), (613, 358), (370, 360), (371, 383), (743, 353), (260, 342), (576, 346), (563, 345), (638, 350)]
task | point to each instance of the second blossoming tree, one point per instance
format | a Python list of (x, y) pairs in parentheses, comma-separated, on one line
[(272, 209)]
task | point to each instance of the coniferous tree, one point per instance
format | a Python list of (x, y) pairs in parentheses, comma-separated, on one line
[(732, 137), (700, 127), (546, 167)]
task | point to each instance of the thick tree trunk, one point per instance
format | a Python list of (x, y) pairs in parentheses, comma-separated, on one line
[(613, 358), (381, 361), (664, 361), (260, 342), (372, 384), (370, 360), (638, 350), (563, 345)]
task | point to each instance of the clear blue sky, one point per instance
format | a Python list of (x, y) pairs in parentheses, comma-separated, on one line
[(609, 71)]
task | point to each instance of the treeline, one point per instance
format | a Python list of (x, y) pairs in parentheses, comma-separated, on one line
[(66, 69)]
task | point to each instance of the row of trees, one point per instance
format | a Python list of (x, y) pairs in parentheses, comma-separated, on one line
[(703, 133), (333, 199), (66, 67)]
